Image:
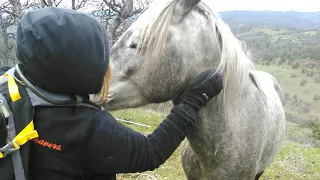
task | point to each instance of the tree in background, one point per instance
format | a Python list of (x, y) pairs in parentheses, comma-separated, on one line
[(6, 20), (115, 15), (10, 12)]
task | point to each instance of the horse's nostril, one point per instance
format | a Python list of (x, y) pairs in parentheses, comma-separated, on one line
[(127, 73)]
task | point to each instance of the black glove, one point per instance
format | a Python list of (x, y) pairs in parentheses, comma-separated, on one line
[(201, 89)]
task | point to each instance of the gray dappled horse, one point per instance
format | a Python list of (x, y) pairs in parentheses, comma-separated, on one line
[(239, 133)]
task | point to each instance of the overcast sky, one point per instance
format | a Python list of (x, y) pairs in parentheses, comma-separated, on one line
[(275, 5)]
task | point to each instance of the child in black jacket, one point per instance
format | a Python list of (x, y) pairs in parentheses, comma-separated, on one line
[(64, 51)]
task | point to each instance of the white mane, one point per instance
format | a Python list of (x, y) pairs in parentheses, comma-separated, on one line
[(234, 64)]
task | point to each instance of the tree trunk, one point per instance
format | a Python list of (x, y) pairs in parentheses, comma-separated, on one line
[(113, 29), (17, 9), (73, 3), (49, 2), (5, 45)]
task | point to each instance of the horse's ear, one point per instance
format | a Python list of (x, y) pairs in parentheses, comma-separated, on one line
[(183, 7)]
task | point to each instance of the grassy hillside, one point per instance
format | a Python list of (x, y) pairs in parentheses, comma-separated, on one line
[(269, 43), (301, 86)]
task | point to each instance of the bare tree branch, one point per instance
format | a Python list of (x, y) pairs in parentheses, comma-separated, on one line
[(45, 2), (117, 14), (16, 7), (12, 35), (112, 6), (73, 4), (81, 4), (57, 4), (49, 3)]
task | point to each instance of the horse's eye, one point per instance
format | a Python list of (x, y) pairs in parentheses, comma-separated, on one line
[(132, 45), (129, 72)]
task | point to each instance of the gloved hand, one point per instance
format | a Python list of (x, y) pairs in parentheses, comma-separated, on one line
[(201, 89)]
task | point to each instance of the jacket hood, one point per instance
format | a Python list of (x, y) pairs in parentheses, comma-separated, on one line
[(62, 50)]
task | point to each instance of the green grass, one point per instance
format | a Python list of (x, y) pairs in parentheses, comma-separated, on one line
[(295, 161), (302, 135)]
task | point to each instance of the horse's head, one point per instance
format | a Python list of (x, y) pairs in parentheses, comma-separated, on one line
[(169, 43)]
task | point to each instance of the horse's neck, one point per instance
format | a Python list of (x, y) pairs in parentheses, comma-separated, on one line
[(209, 116), (214, 122)]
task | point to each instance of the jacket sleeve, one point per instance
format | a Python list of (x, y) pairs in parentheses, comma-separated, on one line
[(108, 147)]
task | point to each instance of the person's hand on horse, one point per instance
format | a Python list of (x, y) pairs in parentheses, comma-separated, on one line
[(201, 89)]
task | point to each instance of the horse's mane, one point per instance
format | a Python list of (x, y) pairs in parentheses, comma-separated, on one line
[(234, 64)]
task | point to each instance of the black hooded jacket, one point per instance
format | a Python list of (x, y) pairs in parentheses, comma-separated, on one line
[(65, 51)]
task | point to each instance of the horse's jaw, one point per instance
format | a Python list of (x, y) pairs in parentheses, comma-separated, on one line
[(124, 95)]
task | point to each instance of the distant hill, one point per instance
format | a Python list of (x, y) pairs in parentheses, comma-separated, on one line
[(241, 21), (277, 34)]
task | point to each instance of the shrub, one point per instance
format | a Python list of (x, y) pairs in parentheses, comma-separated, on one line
[(304, 122), (286, 95), (304, 109), (316, 97), (307, 103), (317, 80), (296, 65), (281, 61), (303, 70), (284, 102), (311, 73), (295, 96), (316, 129), (310, 65), (303, 82), (293, 75)]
